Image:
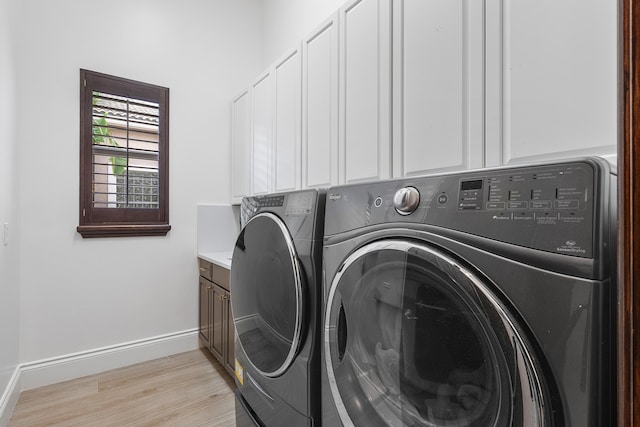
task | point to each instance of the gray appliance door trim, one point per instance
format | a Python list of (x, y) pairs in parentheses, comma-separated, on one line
[(524, 375), (297, 279)]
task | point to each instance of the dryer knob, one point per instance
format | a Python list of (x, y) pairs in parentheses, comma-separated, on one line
[(406, 200)]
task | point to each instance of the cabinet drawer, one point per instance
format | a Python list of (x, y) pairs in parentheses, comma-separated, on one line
[(205, 268), (220, 275)]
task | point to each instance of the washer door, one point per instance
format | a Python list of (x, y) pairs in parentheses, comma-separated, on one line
[(266, 294), (413, 338)]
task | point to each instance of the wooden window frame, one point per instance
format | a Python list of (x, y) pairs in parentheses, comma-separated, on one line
[(120, 222)]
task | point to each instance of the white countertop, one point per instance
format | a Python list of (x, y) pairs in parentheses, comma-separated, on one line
[(222, 258)]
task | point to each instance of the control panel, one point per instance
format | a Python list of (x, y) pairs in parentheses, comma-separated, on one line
[(546, 191), (300, 203), (269, 201), (548, 207), (297, 209), (471, 194), (251, 205)]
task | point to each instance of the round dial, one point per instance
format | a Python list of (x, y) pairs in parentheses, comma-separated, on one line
[(406, 200)]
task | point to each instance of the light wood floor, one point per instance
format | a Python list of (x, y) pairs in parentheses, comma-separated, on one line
[(187, 389)]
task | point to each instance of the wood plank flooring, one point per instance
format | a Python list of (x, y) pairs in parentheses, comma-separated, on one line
[(187, 389)]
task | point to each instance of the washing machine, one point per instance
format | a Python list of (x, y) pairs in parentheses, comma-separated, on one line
[(479, 298), (276, 294)]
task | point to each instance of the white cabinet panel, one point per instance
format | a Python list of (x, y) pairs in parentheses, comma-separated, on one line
[(287, 76), (240, 147), (551, 79), (438, 86), (365, 87), (320, 106), (261, 133)]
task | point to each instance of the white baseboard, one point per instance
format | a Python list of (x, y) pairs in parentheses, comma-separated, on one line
[(10, 397), (76, 365)]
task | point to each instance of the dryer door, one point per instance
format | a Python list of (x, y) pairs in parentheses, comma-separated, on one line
[(266, 294), (414, 338)]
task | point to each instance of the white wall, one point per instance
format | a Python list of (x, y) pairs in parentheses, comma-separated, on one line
[(9, 274), (61, 294), (82, 294), (286, 22)]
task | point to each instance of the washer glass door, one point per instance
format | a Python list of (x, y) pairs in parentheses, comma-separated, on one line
[(266, 294), (414, 338)]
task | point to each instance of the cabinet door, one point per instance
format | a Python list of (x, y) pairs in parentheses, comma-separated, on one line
[(551, 79), (287, 75), (229, 339), (438, 86), (320, 106), (218, 320), (261, 134), (365, 87), (240, 147), (205, 324)]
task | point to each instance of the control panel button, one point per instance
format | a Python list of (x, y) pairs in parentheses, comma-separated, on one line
[(567, 204), (520, 204), (540, 204), (377, 202), (406, 200), (499, 206), (442, 199)]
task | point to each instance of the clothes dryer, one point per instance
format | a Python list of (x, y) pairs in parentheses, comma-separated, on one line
[(479, 298), (276, 295)]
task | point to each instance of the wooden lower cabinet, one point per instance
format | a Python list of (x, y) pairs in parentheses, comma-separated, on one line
[(216, 322)]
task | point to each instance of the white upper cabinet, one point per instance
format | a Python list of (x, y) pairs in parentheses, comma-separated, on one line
[(240, 147), (551, 79), (430, 86), (320, 106), (287, 75), (365, 91), (261, 134), (437, 86)]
